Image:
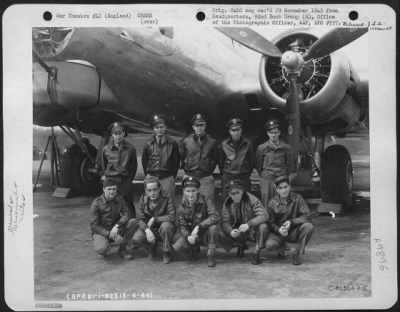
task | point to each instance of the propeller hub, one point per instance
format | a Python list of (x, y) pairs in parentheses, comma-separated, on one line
[(292, 61)]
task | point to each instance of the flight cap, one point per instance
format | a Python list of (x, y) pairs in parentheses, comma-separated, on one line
[(116, 126), (109, 182), (190, 182), (198, 119), (281, 179), (156, 119), (234, 122), (272, 124), (235, 184)]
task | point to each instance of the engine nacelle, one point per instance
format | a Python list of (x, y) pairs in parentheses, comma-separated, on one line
[(76, 85), (328, 87)]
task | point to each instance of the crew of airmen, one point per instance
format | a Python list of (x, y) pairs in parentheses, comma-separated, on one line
[(280, 216)]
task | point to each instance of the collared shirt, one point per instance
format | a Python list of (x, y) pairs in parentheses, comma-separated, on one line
[(295, 209), (274, 160), (164, 210), (249, 210), (236, 158), (199, 159), (104, 214), (161, 159), (119, 161), (202, 213)]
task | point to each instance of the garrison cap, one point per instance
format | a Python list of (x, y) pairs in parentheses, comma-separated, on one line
[(109, 182), (151, 179), (234, 122), (281, 179), (235, 184), (198, 118), (157, 118), (190, 181), (116, 126), (272, 124)]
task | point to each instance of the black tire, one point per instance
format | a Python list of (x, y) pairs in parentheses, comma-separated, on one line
[(74, 174), (337, 176)]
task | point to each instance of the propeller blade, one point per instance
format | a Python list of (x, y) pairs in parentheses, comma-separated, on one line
[(251, 39), (332, 41), (293, 113)]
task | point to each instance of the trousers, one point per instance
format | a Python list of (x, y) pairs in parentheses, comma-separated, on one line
[(268, 190), (300, 235), (164, 233), (258, 234), (102, 244), (208, 237)]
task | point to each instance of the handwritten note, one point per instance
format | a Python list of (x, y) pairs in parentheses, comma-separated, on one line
[(16, 209)]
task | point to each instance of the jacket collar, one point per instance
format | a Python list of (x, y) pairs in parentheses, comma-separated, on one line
[(164, 140), (280, 144), (240, 143), (105, 201), (113, 147), (200, 200)]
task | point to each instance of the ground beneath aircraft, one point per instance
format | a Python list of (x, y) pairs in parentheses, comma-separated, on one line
[(66, 266)]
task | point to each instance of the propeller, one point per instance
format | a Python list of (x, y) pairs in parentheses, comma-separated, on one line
[(332, 41), (251, 39), (294, 62)]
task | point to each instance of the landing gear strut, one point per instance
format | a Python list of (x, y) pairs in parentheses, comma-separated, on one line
[(78, 166)]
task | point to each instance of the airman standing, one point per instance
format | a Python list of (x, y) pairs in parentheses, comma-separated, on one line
[(161, 157), (199, 153), (236, 157), (118, 161), (274, 158)]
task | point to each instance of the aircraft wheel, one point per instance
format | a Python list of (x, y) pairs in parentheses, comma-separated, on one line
[(74, 172), (337, 176)]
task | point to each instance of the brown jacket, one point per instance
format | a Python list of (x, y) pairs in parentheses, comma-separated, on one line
[(203, 213), (249, 210), (274, 161), (116, 161), (236, 159), (164, 211), (104, 214), (199, 159), (295, 210)]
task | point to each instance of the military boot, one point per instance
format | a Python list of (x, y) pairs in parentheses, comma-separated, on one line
[(297, 260), (256, 257), (167, 257), (124, 254), (152, 252), (240, 250), (194, 252), (211, 259)]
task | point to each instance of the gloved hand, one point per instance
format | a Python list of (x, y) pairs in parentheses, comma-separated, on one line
[(235, 233), (150, 236), (114, 232), (150, 223), (191, 239), (283, 231), (195, 231), (244, 227), (287, 225)]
